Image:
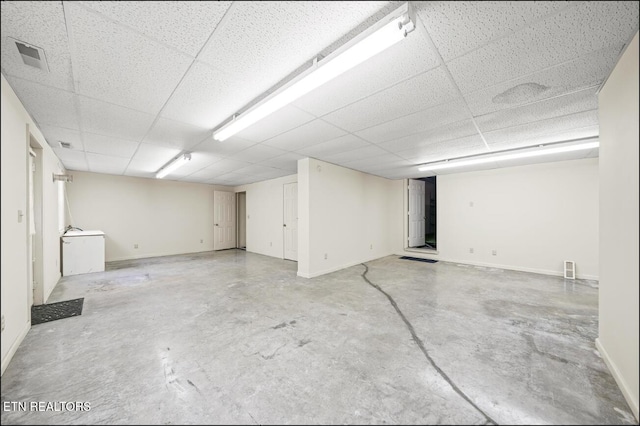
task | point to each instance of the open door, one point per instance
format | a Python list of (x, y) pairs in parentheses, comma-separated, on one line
[(224, 233), (290, 225), (416, 213)]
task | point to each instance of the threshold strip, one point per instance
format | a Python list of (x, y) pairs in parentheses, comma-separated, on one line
[(420, 344)]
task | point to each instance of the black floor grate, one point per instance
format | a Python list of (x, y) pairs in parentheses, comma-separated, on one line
[(417, 259), (56, 311)]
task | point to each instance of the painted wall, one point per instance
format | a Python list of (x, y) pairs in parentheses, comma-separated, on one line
[(265, 215), (15, 286), (242, 219), (534, 216), (162, 217), (618, 114), (348, 218)]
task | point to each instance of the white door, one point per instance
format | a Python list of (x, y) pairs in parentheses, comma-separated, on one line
[(416, 213), (224, 233), (290, 225)]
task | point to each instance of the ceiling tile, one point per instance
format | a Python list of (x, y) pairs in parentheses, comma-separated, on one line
[(551, 130), (279, 122), (379, 162), (74, 155), (225, 148), (46, 105), (40, 24), (224, 166), (279, 37), (401, 61), (203, 174), (80, 166), (585, 100), (586, 72), (451, 131), (344, 143), (150, 158), (207, 96), (460, 147), (185, 25), (175, 134), (114, 64), (416, 94), (112, 120), (255, 170), (106, 164), (309, 134), (54, 135), (199, 161), (288, 162), (565, 156), (569, 34), (356, 154), (457, 27), (109, 145), (257, 153), (420, 121)]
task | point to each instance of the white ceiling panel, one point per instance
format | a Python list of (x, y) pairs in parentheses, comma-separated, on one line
[(460, 147), (309, 134), (150, 158), (585, 72), (356, 154), (207, 96), (565, 156), (71, 155), (224, 148), (288, 162), (257, 153), (256, 170), (529, 134), (109, 145), (344, 143), (54, 135), (47, 105), (175, 134), (202, 175), (225, 166), (399, 62), (451, 131), (115, 64), (80, 166), (569, 34), (199, 161), (457, 27), (277, 38), (40, 24), (416, 94), (106, 164), (185, 25), (112, 120), (380, 162), (503, 139), (585, 100), (279, 122), (420, 121)]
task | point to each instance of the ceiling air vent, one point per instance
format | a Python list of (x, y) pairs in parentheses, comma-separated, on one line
[(65, 145), (32, 55)]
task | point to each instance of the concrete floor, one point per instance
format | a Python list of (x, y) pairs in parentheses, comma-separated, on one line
[(237, 338)]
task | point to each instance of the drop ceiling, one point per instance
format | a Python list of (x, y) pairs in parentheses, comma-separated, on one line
[(133, 84)]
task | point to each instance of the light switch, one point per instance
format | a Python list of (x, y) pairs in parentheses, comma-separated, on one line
[(20, 214)]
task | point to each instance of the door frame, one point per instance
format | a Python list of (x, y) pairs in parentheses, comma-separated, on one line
[(35, 242), (284, 239)]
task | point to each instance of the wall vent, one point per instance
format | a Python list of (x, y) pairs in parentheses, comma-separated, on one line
[(32, 55), (570, 269), (65, 145)]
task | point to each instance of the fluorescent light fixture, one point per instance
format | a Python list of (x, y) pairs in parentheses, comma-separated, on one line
[(172, 165), (489, 158), (384, 34)]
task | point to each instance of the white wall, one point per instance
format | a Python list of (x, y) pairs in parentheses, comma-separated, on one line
[(16, 126), (348, 217), (162, 217), (534, 216), (265, 215), (618, 113)]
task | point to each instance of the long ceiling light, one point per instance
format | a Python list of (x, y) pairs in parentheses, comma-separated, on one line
[(172, 165), (384, 34), (489, 158)]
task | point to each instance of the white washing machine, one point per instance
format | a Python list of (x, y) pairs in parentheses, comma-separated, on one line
[(82, 252)]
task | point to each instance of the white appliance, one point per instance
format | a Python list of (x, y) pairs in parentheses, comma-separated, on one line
[(82, 252)]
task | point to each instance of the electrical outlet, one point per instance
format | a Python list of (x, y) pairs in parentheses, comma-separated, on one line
[(2, 322), (270, 243), (494, 252), (470, 203), (325, 256), (135, 246), (471, 250), (201, 241), (370, 246)]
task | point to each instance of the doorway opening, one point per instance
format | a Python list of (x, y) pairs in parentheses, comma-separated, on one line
[(35, 241), (241, 209), (290, 221), (423, 214)]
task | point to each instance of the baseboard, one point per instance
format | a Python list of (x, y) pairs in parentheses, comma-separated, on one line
[(338, 268), (150, 255), (622, 384), (14, 347)]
